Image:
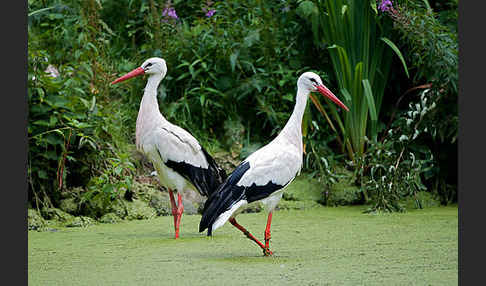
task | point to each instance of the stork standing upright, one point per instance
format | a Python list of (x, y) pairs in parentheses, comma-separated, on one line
[(264, 174), (180, 161)]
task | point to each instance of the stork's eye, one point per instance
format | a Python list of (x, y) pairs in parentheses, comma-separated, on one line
[(313, 80), (149, 64)]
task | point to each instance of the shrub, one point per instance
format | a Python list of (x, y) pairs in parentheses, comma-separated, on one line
[(397, 165), (430, 37), (72, 136)]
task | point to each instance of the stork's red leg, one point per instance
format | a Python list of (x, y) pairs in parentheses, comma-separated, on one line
[(174, 213), (246, 232), (266, 250)]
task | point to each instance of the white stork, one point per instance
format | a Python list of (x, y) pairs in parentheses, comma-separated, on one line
[(263, 175), (180, 161)]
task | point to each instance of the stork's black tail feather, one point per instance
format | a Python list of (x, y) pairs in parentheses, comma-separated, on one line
[(226, 195), (218, 174), (205, 180)]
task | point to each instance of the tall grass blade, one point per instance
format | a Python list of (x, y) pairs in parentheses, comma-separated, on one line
[(371, 107), (397, 52)]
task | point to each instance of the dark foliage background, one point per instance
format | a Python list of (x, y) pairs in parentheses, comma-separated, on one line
[(231, 82)]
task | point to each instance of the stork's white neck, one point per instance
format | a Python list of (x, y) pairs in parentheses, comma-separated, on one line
[(153, 82), (149, 115), (149, 106), (293, 129)]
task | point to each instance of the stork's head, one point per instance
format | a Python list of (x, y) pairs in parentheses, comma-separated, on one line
[(155, 66), (152, 66), (311, 82)]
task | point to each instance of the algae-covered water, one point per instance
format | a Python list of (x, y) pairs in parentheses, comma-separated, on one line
[(320, 246)]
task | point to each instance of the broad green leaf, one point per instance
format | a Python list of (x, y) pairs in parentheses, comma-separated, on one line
[(371, 107), (426, 2), (93, 47), (42, 174), (373, 6), (215, 91), (397, 52), (195, 62), (88, 69), (182, 76), (84, 101), (51, 155), (346, 95), (369, 99), (202, 99), (252, 38), (53, 139), (93, 103), (41, 123), (40, 11), (79, 90), (41, 93), (58, 131), (53, 121), (108, 188), (92, 144), (191, 71), (105, 26), (233, 58), (118, 170), (184, 63), (344, 64), (306, 8)]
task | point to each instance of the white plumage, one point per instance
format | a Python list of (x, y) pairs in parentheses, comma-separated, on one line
[(180, 161), (263, 176)]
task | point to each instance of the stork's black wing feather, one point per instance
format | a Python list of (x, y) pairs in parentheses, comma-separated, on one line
[(219, 173), (206, 180), (229, 193)]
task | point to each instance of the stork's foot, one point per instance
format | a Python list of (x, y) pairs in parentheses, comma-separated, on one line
[(266, 249), (176, 233), (177, 210), (267, 252)]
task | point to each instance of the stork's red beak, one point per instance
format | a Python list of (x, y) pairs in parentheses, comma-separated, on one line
[(327, 93), (133, 73)]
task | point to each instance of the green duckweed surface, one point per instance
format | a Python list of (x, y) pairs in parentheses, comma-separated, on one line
[(319, 246)]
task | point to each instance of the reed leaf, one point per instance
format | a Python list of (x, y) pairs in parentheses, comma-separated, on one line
[(371, 107), (397, 52)]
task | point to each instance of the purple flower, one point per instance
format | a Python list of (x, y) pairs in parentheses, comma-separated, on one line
[(210, 13), (385, 5), (169, 12)]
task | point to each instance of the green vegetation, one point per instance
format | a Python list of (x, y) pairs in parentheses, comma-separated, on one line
[(431, 38), (231, 82), (361, 53), (320, 246)]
